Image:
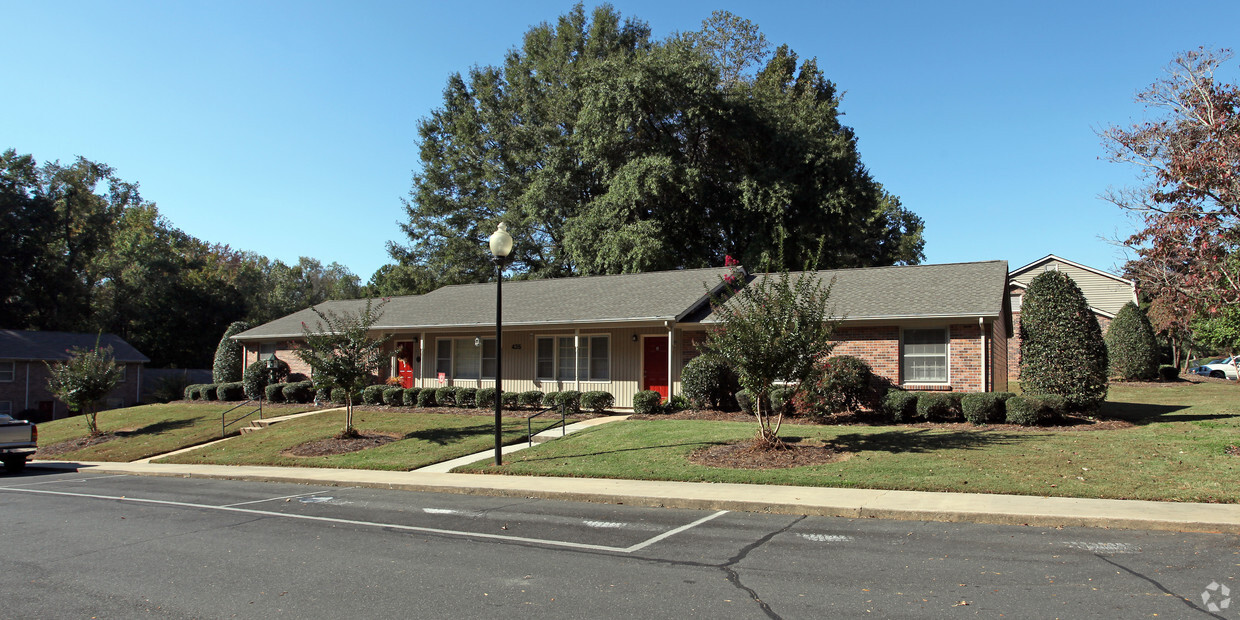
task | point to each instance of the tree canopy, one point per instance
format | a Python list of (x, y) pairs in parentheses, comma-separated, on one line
[(606, 151)]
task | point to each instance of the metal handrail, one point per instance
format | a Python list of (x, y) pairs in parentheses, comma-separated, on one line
[(224, 427), (529, 423)]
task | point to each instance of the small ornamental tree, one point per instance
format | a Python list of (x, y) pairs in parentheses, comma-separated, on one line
[(343, 354), (1061, 346), (227, 367), (774, 329), (1131, 347), (84, 380)]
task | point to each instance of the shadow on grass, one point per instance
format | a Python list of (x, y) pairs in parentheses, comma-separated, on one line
[(691, 444), (922, 440), (157, 427), (1146, 413), (445, 436)]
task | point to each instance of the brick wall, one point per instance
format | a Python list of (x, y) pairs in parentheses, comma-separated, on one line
[(878, 346), (284, 351), (28, 390)]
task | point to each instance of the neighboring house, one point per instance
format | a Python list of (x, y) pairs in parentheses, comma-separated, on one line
[(24, 356), (1105, 293), (940, 327)]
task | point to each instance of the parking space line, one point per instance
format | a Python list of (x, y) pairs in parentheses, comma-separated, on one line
[(269, 499), (390, 526), (62, 481)]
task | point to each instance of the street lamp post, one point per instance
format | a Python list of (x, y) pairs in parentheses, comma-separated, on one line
[(501, 247)]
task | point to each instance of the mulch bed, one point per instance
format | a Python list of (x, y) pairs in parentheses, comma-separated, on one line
[(1069, 423), (72, 445), (334, 445), (746, 456)]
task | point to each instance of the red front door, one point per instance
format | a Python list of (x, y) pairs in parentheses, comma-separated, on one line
[(404, 364), (654, 365)]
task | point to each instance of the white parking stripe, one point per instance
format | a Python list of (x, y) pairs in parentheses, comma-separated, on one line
[(62, 481), (827, 537), (605, 524), (1100, 547), (440, 511), (269, 499), (393, 526)]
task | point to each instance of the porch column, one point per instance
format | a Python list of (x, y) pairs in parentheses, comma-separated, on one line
[(421, 359), (671, 340), (577, 359)]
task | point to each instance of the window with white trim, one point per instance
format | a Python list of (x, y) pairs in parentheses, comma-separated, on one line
[(443, 358), (8, 370), (557, 354), (923, 355), (466, 358), (1016, 299)]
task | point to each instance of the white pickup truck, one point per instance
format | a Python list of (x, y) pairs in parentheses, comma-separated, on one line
[(18, 440)]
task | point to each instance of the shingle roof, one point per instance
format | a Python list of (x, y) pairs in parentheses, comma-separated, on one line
[(652, 296), (914, 291), (55, 346)]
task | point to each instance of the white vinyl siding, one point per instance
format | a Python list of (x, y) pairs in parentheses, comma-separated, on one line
[(923, 356), (8, 370), (593, 362)]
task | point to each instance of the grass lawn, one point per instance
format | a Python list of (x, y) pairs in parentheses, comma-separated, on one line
[(425, 438), (1175, 450), (144, 431)]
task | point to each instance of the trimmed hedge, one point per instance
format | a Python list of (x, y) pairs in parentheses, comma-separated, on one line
[(1132, 350), (1061, 347), (393, 396), (300, 392), (743, 399), (1034, 409), (339, 396), (232, 391), (275, 392), (485, 398), (257, 376), (510, 400), (446, 396), (934, 406), (466, 397), (373, 394), (530, 398), (781, 400), (1165, 373), (597, 401), (708, 382), (194, 392), (228, 355), (899, 405), (568, 400), (844, 384), (409, 397), (647, 402), (426, 397), (208, 392), (550, 400), (985, 407)]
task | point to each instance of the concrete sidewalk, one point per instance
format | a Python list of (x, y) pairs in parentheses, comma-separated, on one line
[(852, 503)]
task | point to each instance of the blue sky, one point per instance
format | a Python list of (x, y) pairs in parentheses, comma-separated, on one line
[(289, 128)]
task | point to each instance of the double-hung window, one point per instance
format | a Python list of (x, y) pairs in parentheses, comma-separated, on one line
[(924, 356), (466, 358), (8, 370), (559, 360), (266, 350)]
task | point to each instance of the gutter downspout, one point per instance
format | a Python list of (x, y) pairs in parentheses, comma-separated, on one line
[(981, 326)]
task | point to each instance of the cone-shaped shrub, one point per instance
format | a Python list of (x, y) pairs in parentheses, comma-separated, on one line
[(227, 367), (1061, 346), (1131, 347)]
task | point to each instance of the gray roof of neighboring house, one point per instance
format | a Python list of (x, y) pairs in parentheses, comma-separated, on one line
[(914, 291), (55, 346), (652, 296)]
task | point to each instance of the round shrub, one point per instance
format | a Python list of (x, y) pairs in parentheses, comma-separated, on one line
[(677, 402), (1167, 372), (781, 400), (373, 394), (1061, 348), (597, 401), (257, 376), (409, 397), (339, 396), (322, 395), (1034, 409), (647, 402), (209, 393), (275, 392), (446, 396), (510, 400), (299, 392), (232, 391), (1131, 348), (568, 400), (550, 400), (227, 366), (393, 396), (984, 407), (934, 406), (426, 397), (708, 383), (899, 405), (193, 392), (531, 398), (745, 401), (843, 384), (466, 396), (485, 398)]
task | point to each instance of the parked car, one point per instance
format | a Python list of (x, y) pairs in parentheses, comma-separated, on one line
[(1224, 368), (18, 439)]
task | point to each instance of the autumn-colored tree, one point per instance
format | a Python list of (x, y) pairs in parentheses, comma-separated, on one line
[(1188, 157)]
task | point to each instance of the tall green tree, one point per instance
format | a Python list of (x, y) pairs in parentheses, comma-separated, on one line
[(607, 152), (84, 380), (1132, 349), (343, 354), (1061, 347)]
